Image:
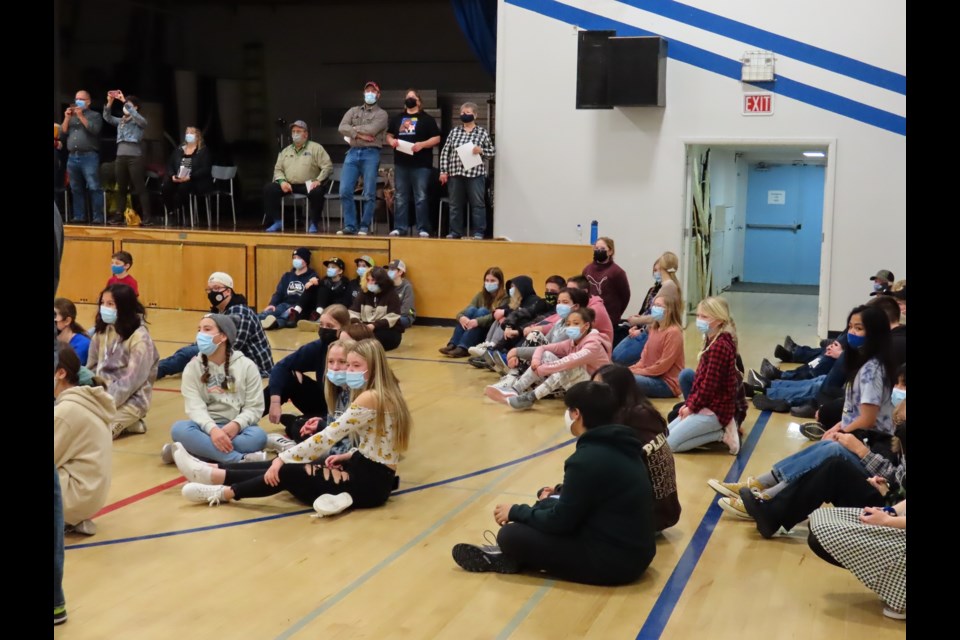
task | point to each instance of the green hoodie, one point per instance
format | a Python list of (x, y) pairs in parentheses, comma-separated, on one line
[(606, 501)]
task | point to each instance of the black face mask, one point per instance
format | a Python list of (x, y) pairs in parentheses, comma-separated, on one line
[(327, 335), (216, 297), (410, 103), (600, 255), (551, 298), (467, 117)]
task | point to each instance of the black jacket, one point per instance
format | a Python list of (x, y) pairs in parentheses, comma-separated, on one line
[(606, 502), (199, 171), (532, 306)]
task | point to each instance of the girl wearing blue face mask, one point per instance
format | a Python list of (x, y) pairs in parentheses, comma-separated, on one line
[(715, 404), (657, 372), (188, 172), (631, 337), (124, 356), (378, 420), (476, 318), (379, 309), (223, 399), (560, 365), (282, 310)]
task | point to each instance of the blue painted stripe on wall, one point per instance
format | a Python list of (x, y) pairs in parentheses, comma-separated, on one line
[(782, 45), (695, 56)]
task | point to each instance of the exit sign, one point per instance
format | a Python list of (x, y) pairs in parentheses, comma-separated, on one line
[(758, 104)]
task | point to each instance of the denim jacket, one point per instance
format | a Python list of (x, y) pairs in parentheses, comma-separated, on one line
[(130, 128)]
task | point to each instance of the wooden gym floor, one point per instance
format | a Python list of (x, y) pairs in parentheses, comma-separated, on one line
[(161, 567)]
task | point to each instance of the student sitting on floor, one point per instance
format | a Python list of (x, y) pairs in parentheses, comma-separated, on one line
[(630, 337), (522, 307), (578, 537), (319, 293), (661, 361), (280, 312), (379, 309), (475, 319), (603, 324), (69, 330)]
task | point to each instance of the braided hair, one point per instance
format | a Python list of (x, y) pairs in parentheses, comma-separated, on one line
[(228, 381)]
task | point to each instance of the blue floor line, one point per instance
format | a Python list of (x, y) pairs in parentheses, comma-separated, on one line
[(667, 601)]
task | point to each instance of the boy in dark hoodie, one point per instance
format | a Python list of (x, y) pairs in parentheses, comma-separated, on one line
[(281, 311), (251, 339)]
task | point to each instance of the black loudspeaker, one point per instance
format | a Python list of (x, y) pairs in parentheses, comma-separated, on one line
[(637, 72), (593, 53)]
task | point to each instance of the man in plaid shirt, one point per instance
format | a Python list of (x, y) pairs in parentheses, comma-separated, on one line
[(251, 340), (466, 183)]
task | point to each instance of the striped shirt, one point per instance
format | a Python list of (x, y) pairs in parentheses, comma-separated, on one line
[(450, 163)]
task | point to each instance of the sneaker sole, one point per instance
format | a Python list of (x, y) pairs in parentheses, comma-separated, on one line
[(331, 505), (736, 513), (268, 322), (812, 431), (475, 560), (719, 488), (499, 395)]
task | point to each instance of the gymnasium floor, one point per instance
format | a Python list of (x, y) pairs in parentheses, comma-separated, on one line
[(161, 567)]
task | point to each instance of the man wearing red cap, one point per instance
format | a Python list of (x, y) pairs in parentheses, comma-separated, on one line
[(363, 127)]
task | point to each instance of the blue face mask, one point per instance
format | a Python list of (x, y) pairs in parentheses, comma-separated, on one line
[(108, 314), (355, 379), (513, 291), (117, 269), (657, 277), (855, 341), (206, 344), (338, 378), (373, 287), (877, 286), (370, 98), (392, 274), (361, 271), (297, 263), (897, 396), (331, 272), (80, 103), (703, 325), (572, 332), (190, 138), (491, 287), (563, 310), (657, 313)]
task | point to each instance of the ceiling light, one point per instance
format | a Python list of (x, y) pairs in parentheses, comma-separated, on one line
[(814, 154)]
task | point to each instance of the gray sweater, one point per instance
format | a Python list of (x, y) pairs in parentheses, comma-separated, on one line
[(405, 292), (81, 138)]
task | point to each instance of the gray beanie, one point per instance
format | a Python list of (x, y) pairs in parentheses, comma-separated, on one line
[(226, 325)]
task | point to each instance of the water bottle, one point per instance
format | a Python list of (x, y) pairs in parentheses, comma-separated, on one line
[(579, 234), (594, 232)]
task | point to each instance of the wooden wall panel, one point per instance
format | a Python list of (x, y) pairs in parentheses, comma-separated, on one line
[(85, 268), (200, 260), (158, 268)]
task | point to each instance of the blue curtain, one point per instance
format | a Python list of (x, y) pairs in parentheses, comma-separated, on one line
[(478, 20)]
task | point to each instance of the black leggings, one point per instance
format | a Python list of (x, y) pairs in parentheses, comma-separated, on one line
[(839, 481), (566, 557), (389, 339), (305, 394), (370, 483), (818, 549)]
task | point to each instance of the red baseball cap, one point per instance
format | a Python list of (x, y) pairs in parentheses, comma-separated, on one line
[(372, 84)]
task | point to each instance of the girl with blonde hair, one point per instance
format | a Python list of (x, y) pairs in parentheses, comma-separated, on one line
[(658, 370), (631, 338), (379, 420), (189, 171), (715, 404)]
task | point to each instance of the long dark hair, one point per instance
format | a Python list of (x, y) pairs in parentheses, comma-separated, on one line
[(634, 409), (877, 345), (129, 310), (67, 309), (379, 275)]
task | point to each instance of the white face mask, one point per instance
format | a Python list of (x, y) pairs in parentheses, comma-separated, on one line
[(568, 420)]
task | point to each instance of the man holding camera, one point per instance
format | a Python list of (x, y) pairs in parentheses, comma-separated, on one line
[(82, 126), (302, 167)]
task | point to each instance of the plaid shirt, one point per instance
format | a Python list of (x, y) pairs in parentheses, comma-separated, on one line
[(877, 465), (717, 384), (449, 159), (251, 340)]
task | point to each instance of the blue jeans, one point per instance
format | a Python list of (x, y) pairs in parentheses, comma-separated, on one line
[(686, 381), (654, 387), (58, 599), (461, 189), (365, 162), (806, 354), (281, 313), (466, 339), (412, 180), (793, 467), (629, 350), (197, 443), (694, 431), (796, 392), (178, 361), (84, 171)]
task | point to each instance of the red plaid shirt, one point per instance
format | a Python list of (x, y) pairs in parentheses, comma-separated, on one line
[(718, 385)]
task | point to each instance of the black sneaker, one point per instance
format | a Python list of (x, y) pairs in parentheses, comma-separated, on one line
[(764, 403), (59, 615), (768, 371), (812, 431), (760, 511), (288, 419), (789, 344), (804, 411), (482, 558), (478, 362), (783, 354)]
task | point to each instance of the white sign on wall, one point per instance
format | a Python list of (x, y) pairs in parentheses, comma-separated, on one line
[(776, 197)]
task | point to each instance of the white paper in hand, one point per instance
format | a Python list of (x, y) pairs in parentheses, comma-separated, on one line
[(405, 147), (184, 172), (468, 157)]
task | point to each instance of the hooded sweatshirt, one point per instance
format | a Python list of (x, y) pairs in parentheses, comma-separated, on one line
[(291, 287), (382, 310), (592, 352), (532, 306), (606, 503), (210, 405), (129, 366), (602, 323), (83, 450)]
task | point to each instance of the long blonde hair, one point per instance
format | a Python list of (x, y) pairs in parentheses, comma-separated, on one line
[(669, 262), (330, 390), (672, 312), (383, 383), (718, 309)]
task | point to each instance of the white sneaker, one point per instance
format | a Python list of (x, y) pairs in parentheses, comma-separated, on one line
[(501, 391), (268, 322), (340, 232), (424, 234), (278, 442), (394, 233), (166, 454), (256, 456), (137, 427), (480, 349), (192, 469), (330, 505), (890, 613), (212, 494), (362, 232)]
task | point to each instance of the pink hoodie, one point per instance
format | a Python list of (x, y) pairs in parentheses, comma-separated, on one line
[(592, 352), (602, 322)]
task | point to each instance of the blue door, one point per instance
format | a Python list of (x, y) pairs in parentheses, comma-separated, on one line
[(784, 224)]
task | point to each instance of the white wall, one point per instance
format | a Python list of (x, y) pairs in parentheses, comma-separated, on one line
[(557, 166)]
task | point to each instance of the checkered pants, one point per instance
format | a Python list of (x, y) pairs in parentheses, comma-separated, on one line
[(552, 383)]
